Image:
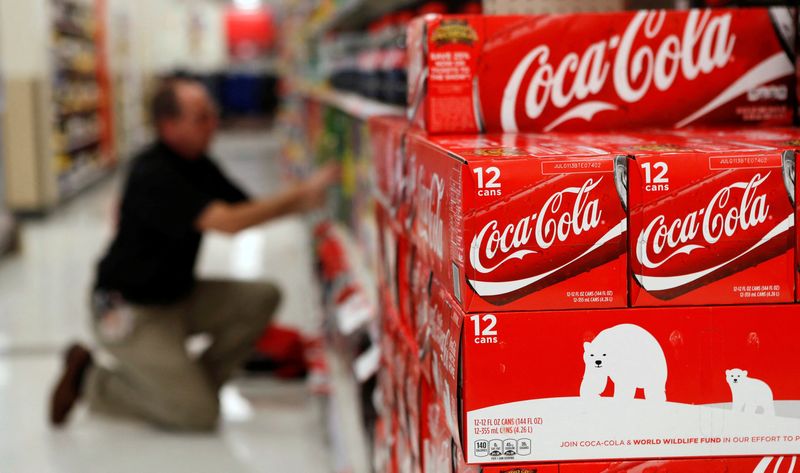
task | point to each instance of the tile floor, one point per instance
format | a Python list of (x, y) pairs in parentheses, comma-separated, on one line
[(269, 426)]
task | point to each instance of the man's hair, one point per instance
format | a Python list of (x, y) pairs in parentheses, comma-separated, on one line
[(164, 104)]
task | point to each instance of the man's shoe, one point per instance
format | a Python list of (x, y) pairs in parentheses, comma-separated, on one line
[(77, 360)]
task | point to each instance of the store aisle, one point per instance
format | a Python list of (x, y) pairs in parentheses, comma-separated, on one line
[(269, 426)]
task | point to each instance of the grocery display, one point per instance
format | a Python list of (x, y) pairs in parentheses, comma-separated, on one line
[(518, 222), (58, 128), (584, 254), (80, 90), (469, 74)]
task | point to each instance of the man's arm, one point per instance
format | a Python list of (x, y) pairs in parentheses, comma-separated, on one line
[(232, 218)]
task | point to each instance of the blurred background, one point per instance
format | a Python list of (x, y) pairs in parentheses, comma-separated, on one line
[(295, 81)]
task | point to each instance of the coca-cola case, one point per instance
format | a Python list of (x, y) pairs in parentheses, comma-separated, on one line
[(381, 447), (421, 284), (396, 256), (543, 468), (519, 222), (594, 71), (779, 464), (711, 221), (788, 141), (387, 148), (633, 383)]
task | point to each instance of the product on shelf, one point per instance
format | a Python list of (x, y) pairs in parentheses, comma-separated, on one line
[(786, 139), (711, 222), (387, 139), (620, 383), (601, 70), (519, 222), (394, 61), (778, 464)]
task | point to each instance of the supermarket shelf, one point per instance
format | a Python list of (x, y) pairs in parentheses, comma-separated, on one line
[(79, 111), (73, 73), (356, 14), (76, 146), (74, 31), (78, 180), (352, 104)]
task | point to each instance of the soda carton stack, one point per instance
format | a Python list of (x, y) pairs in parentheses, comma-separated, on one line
[(560, 287)]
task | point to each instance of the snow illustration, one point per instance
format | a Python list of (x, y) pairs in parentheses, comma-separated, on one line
[(630, 357), (750, 395)]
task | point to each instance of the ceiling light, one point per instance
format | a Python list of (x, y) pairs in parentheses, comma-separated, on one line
[(247, 4)]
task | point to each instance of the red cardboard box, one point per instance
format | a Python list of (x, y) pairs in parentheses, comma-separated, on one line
[(387, 140), (549, 468), (621, 383), (442, 453), (592, 71), (786, 139), (382, 449), (395, 266), (701, 465), (389, 247), (421, 283), (519, 222), (711, 222)]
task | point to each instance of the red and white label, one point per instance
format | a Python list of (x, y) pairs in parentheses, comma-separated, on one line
[(728, 66)]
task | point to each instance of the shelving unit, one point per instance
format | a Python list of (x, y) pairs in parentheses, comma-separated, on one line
[(349, 103), (78, 96), (353, 14), (56, 123)]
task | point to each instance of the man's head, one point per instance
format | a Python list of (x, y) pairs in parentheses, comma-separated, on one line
[(185, 117)]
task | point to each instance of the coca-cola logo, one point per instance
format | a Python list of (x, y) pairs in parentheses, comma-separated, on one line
[(556, 221), (633, 65), (734, 208), (429, 204)]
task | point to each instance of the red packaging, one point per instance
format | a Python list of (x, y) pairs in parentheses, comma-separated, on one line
[(785, 139), (389, 244), (446, 321), (442, 453), (591, 71), (382, 451), (437, 442), (415, 385), (519, 222), (711, 222), (700, 465), (549, 468), (624, 383), (421, 281), (387, 138)]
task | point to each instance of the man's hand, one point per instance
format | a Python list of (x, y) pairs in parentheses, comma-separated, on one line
[(232, 218), (314, 189)]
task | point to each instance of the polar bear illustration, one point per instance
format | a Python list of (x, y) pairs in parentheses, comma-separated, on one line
[(749, 394), (631, 357)]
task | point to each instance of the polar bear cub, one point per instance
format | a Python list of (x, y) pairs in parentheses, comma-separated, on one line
[(749, 394), (628, 355)]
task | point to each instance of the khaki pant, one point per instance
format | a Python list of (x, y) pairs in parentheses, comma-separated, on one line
[(155, 378)]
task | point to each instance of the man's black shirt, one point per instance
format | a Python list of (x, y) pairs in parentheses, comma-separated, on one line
[(152, 257)]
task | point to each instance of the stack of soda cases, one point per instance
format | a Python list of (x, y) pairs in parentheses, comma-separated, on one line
[(588, 257)]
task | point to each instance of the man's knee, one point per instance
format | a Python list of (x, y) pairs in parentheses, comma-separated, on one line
[(201, 413), (266, 298)]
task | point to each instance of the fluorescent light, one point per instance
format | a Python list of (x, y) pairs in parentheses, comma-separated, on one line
[(247, 4)]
